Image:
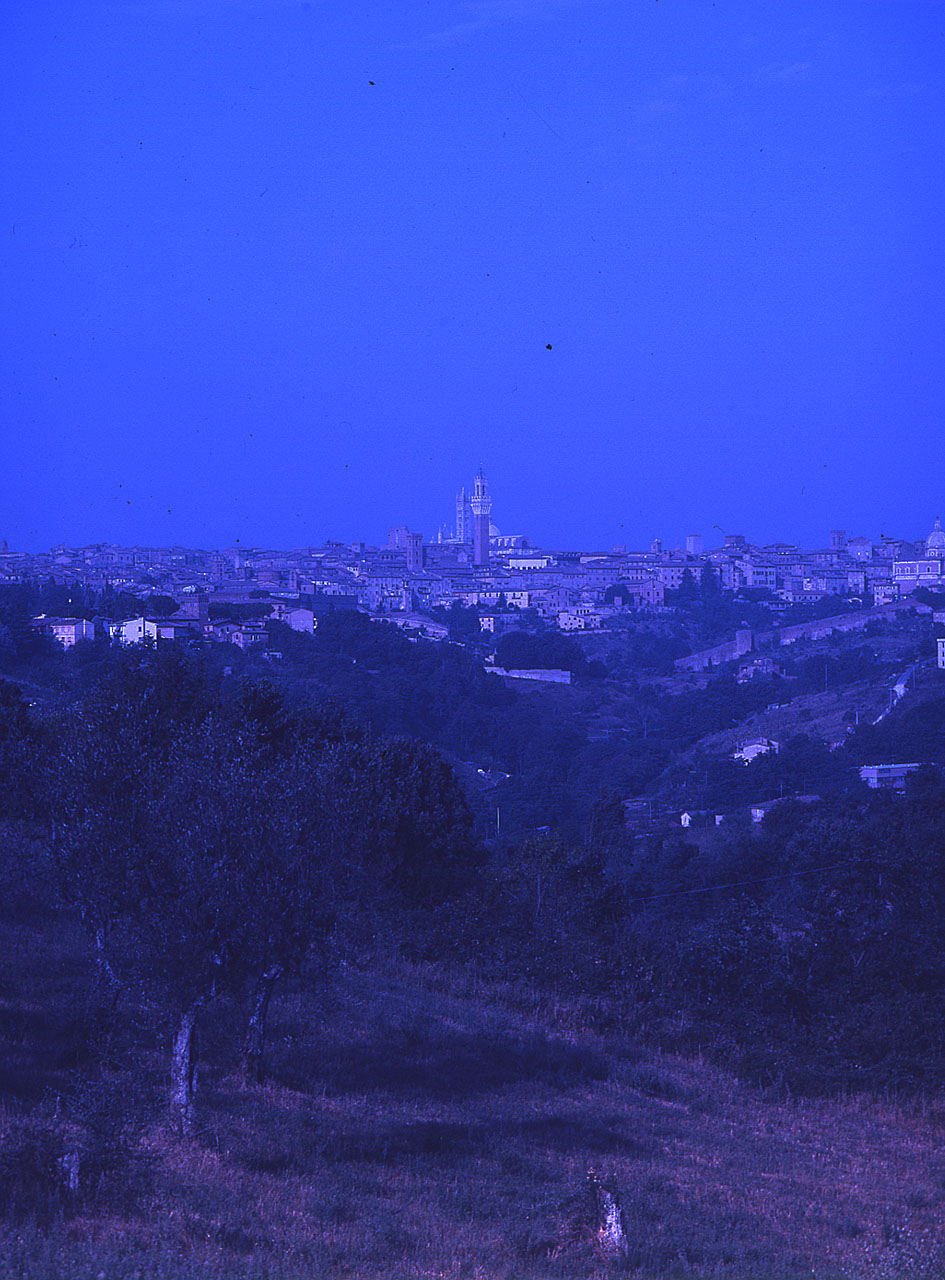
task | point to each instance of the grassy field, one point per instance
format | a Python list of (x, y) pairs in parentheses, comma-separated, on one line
[(419, 1124)]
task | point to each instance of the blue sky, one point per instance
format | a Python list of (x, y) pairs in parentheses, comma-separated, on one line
[(280, 271)]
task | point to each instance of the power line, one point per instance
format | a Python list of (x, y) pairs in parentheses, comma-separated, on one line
[(738, 884)]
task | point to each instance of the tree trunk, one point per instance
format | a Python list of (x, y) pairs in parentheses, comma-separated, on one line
[(184, 1072), (105, 971), (255, 1040)]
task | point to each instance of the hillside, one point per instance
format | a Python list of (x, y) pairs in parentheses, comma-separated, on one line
[(416, 1124), (465, 1027), (623, 726)]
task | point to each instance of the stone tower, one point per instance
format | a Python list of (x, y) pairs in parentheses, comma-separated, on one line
[(414, 552), (481, 505), (464, 524)]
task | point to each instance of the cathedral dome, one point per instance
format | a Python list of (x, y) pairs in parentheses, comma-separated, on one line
[(935, 542)]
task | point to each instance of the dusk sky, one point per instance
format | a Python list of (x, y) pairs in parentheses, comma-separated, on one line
[(276, 272)]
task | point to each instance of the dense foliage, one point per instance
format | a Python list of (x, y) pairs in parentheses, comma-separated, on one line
[(210, 838), (215, 815), (212, 827), (217, 828)]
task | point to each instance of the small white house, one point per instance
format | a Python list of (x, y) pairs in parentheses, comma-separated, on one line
[(66, 631), (138, 630), (242, 634), (695, 818)]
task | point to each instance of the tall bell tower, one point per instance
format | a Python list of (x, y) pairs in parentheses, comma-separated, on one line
[(481, 505), (464, 532)]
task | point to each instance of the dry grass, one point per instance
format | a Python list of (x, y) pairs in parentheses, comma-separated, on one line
[(414, 1126)]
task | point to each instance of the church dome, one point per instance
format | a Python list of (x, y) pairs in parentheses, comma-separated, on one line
[(935, 542)]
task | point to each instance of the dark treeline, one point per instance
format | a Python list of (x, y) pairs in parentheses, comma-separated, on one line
[(820, 958), (214, 832), (542, 739), (21, 602), (441, 694), (806, 951), (309, 805)]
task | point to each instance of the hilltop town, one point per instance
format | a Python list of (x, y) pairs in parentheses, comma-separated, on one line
[(509, 582)]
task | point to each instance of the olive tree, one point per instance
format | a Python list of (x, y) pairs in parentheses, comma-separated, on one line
[(209, 842), (193, 859)]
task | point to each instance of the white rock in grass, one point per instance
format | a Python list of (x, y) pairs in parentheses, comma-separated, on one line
[(611, 1236)]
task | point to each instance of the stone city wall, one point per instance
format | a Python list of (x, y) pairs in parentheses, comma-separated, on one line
[(816, 630)]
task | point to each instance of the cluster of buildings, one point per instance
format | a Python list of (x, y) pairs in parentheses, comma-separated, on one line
[(472, 564), (190, 621)]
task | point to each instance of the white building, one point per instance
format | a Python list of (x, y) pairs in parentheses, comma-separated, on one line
[(888, 776), (139, 630), (66, 631), (923, 571)]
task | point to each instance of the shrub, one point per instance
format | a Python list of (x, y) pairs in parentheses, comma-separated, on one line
[(52, 1167), (40, 1159)]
